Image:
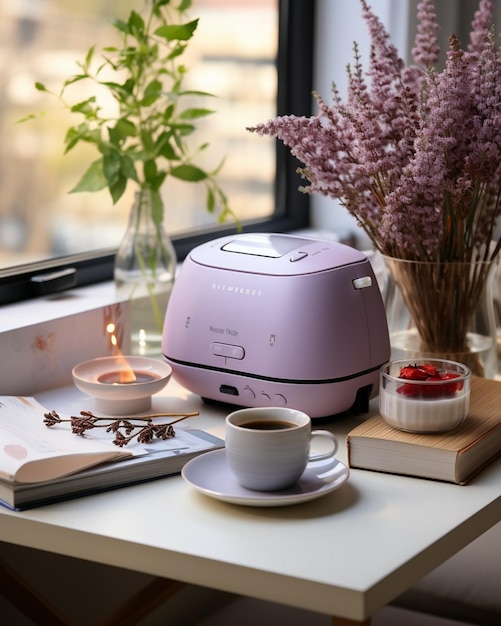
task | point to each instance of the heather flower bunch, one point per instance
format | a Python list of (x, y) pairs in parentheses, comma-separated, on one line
[(414, 152)]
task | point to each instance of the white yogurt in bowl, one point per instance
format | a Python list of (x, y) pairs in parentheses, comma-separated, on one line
[(425, 405)]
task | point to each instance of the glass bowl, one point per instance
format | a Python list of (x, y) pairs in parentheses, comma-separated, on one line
[(424, 395)]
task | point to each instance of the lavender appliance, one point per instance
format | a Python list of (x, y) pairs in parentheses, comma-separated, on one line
[(277, 320)]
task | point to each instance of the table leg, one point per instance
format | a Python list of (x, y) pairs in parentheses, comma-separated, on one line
[(27, 600), (143, 602)]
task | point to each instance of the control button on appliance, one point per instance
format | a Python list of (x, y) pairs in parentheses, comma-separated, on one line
[(217, 349), (279, 399), (236, 352), (227, 350), (362, 283), (297, 256), (248, 393)]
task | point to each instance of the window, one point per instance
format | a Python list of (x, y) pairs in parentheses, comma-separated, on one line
[(254, 55)]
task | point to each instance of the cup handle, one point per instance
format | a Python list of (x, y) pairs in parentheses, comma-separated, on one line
[(325, 455)]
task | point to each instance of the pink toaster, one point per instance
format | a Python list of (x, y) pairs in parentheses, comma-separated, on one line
[(277, 320)]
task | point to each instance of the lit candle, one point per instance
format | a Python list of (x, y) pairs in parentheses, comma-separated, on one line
[(124, 377)]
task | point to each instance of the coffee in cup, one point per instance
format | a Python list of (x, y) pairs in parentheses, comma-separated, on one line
[(268, 448)]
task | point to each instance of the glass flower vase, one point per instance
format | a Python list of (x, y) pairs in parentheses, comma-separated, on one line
[(145, 268), (442, 310)]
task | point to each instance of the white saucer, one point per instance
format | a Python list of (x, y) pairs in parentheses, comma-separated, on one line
[(209, 474)]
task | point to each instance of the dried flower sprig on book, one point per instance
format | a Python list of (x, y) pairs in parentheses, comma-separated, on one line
[(126, 429)]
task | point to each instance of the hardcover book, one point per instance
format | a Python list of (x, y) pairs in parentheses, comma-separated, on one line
[(40, 465), (454, 456)]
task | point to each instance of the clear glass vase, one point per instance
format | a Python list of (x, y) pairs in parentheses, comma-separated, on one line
[(145, 268), (442, 310)]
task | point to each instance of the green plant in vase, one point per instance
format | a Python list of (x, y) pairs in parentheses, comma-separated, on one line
[(144, 142)]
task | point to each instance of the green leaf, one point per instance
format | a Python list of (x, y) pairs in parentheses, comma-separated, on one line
[(184, 5), (152, 92), (88, 58), (117, 88), (191, 92), (164, 147), (118, 188), (129, 85), (175, 88), (177, 51), (183, 129), (188, 173), (150, 170), (123, 129), (94, 136), (74, 134), (153, 178), (167, 114), (74, 79), (122, 26), (40, 87), (111, 167), (116, 138), (84, 107), (29, 117), (191, 114), (127, 168), (177, 32), (93, 179), (136, 24), (158, 181)]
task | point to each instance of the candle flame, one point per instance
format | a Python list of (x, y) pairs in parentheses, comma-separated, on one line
[(126, 373)]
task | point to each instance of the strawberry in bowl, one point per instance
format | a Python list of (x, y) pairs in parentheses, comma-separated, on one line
[(426, 395), (428, 372)]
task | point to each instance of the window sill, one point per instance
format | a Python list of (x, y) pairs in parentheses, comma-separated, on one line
[(43, 339)]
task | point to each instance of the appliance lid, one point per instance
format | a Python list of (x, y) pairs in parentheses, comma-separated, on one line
[(275, 254)]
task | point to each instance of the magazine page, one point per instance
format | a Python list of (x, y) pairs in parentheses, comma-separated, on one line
[(32, 452)]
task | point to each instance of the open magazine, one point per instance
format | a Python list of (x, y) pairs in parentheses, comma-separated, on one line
[(39, 465)]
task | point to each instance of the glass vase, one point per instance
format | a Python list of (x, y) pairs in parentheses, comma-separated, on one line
[(442, 310), (145, 268)]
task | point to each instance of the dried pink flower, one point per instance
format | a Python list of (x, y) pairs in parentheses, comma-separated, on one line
[(141, 427), (413, 153)]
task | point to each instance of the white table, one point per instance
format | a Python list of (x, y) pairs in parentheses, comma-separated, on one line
[(347, 554)]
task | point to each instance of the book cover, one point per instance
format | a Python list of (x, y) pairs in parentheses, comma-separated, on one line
[(39, 465), (454, 456)]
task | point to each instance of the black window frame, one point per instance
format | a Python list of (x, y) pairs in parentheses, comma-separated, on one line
[(292, 208)]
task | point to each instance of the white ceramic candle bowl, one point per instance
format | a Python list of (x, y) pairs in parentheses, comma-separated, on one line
[(100, 378), (427, 403)]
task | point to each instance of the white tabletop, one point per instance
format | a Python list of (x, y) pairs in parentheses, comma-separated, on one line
[(346, 554)]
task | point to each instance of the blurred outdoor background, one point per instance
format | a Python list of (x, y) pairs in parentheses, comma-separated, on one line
[(232, 56)]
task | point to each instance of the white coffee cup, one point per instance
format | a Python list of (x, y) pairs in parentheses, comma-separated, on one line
[(268, 448)]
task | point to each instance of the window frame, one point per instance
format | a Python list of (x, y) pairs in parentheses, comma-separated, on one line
[(292, 208)]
